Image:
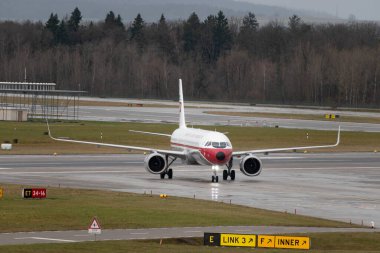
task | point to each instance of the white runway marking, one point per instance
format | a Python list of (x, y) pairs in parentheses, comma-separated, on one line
[(325, 168), (138, 233), (192, 231), (281, 158), (70, 172), (44, 238), (5, 168)]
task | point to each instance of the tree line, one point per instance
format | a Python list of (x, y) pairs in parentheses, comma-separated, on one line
[(232, 59)]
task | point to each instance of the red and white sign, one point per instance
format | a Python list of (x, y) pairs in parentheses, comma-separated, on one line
[(94, 228), (36, 193)]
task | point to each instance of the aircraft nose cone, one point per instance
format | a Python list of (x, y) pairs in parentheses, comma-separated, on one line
[(220, 156)]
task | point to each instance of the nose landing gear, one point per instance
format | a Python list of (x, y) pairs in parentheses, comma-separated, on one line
[(215, 177), (229, 172)]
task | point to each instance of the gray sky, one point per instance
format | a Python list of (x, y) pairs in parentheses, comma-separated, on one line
[(362, 9)]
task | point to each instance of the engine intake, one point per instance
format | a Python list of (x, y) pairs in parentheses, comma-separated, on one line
[(155, 163), (250, 166)]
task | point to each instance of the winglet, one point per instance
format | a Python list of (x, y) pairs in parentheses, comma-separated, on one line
[(338, 138), (182, 121), (48, 127)]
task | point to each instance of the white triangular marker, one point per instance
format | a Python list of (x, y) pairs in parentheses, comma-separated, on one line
[(94, 228)]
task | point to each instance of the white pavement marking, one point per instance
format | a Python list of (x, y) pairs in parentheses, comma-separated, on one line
[(70, 172), (138, 233), (44, 238), (5, 168), (280, 158), (193, 231), (324, 168)]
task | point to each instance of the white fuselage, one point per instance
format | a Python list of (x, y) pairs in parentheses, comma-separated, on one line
[(202, 146)]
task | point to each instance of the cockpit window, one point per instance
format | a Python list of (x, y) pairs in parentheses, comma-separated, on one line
[(220, 144)]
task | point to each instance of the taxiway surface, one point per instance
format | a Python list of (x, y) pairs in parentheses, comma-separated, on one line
[(342, 187), (158, 233), (197, 116)]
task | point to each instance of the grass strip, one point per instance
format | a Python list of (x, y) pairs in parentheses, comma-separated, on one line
[(71, 209)]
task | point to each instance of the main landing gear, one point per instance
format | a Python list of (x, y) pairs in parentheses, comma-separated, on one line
[(167, 170), (229, 172)]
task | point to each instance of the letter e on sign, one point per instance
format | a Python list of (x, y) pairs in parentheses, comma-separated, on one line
[(211, 239)]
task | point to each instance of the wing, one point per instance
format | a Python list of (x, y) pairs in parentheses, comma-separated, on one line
[(258, 151), (179, 154)]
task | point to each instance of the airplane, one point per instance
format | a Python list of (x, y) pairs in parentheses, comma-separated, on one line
[(198, 147)]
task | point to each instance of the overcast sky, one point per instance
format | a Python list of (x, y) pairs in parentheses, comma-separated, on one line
[(362, 9)]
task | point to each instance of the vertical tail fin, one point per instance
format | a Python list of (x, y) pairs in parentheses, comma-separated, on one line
[(182, 121)]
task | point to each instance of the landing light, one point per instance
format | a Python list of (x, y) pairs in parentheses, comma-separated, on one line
[(216, 167)]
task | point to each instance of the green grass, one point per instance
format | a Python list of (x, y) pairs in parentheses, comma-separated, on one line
[(357, 119), (33, 140), (326, 243), (66, 209)]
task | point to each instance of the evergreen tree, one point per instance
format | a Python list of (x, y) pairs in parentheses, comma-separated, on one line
[(110, 19), (52, 24), (221, 37), (111, 22), (137, 31), (62, 35), (137, 27), (247, 35), (119, 22), (222, 34), (191, 33), (250, 23), (75, 18), (164, 41)]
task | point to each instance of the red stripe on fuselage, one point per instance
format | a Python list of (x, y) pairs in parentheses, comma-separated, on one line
[(210, 153)]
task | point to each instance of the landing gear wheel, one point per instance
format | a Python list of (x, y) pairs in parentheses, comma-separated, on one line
[(170, 174), (232, 175), (212, 179), (162, 175), (225, 174), (216, 179)]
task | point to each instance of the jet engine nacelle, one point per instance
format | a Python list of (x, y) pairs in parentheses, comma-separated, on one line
[(155, 163), (250, 166)]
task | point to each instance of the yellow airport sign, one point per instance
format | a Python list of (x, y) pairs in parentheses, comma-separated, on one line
[(265, 241), (1, 193), (238, 240), (291, 242)]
